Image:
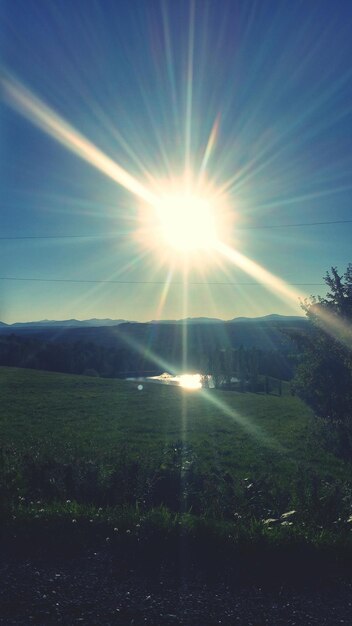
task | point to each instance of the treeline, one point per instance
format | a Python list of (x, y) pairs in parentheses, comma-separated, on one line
[(244, 368), (244, 365), (73, 358)]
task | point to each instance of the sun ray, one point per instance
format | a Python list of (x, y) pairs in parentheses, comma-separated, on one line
[(209, 148), (244, 422), (189, 89), (185, 315), (249, 171), (40, 114), (117, 135), (275, 146), (164, 294), (145, 351), (170, 61), (337, 327), (272, 282), (156, 129), (95, 289), (303, 197)]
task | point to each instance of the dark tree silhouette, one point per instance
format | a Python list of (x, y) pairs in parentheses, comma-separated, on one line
[(324, 377)]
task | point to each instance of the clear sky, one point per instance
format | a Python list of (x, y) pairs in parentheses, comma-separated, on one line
[(254, 96)]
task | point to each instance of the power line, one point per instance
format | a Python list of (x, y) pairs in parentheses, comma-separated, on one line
[(124, 234), (102, 236), (297, 225), (147, 282)]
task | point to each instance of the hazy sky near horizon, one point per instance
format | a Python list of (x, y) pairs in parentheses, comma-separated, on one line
[(260, 93)]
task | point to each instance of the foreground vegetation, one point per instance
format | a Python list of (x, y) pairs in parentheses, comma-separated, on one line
[(85, 458)]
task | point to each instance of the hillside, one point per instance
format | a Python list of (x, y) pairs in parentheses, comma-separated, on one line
[(248, 435), (240, 481), (165, 339), (102, 415)]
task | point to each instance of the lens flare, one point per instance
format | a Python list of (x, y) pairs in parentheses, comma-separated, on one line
[(40, 114), (186, 222), (188, 219), (190, 381)]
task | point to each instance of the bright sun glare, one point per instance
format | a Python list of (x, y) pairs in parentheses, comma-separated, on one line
[(186, 219), (186, 222), (190, 381)]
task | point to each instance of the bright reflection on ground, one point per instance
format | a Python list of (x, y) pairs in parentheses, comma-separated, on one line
[(186, 381), (190, 381)]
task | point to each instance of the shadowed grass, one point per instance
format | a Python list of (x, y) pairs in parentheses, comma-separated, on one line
[(81, 456)]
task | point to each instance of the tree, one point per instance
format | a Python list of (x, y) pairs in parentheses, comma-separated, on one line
[(324, 376)]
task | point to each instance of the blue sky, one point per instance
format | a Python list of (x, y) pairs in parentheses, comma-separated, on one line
[(145, 82)]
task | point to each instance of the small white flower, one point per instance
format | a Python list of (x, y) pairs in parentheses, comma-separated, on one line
[(288, 514)]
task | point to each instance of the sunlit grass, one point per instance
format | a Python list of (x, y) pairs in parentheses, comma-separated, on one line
[(66, 416), (86, 460)]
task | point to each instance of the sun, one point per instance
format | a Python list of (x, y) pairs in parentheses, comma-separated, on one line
[(186, 222)]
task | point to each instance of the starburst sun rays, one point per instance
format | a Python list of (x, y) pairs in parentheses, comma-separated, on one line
[(185, 221)]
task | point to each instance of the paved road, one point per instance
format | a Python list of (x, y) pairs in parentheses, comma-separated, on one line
[(96, 590)]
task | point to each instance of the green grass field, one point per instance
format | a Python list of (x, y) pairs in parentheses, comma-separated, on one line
[(81, 447), (67, 417)]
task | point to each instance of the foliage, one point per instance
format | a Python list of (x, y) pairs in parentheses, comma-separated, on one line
[(324, 377), (209, 353), (95, 454)]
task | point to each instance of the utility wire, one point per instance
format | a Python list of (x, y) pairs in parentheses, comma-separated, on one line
[(147, 282), (298, 225), (124, 234), (102, 236)]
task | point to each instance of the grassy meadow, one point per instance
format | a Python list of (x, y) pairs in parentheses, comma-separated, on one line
[(101, 456)]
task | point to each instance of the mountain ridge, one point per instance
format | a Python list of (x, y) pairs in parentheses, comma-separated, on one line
[(96, 322), (71, 323)]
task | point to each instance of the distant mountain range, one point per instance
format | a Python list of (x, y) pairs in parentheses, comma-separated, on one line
[(73, 323), (274, 317), (136, 344), (65, 323)]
